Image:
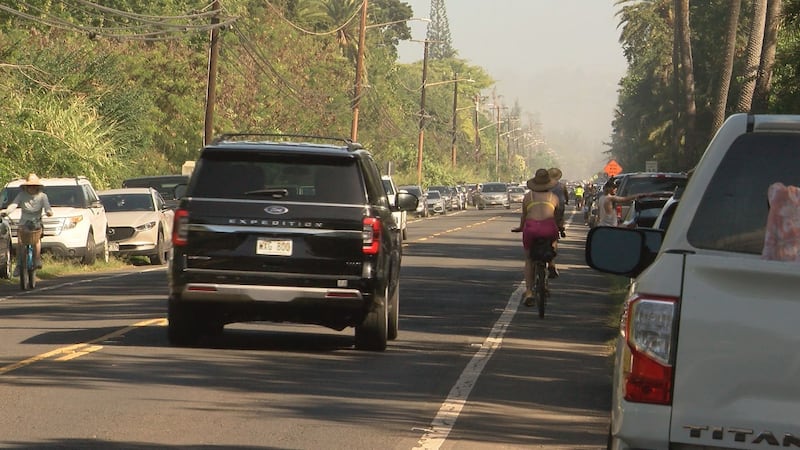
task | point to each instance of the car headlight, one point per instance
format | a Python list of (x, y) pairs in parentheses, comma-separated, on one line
[(146, 226), (72, 222)]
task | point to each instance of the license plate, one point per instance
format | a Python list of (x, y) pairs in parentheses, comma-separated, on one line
[(274, 247), (113, 246)]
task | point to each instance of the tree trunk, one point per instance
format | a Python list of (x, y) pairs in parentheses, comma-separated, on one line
[(764, 80), (753, 56), (689, 112), (724, 81)]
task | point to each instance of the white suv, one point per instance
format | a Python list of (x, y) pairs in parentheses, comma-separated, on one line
[(400, 217), (77, 228)]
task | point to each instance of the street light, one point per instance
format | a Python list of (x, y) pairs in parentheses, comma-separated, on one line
[(360, 63)]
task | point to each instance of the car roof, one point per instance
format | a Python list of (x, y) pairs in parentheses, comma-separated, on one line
[(52, 181), (119, 191)]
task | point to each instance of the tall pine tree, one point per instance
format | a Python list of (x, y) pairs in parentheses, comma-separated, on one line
[(441, 44)]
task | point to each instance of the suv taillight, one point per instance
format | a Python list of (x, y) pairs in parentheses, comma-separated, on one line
[(647, 327), (371, 235), (180, 227)]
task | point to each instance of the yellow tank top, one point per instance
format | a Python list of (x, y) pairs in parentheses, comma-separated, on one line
[(547, 202)]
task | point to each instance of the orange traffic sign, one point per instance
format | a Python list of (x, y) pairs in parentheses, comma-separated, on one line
[(612, 169)]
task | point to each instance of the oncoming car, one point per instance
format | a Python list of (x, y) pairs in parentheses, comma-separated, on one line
[(493, 194), (139, 223)]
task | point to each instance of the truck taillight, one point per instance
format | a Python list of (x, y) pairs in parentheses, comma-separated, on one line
[(648, 331), (371, 235), (180, 227)]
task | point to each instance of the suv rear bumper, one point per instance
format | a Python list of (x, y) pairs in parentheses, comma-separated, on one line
[(268, 294)]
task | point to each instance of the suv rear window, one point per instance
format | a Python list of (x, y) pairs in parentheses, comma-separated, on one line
[(252, 176), (732, 215)]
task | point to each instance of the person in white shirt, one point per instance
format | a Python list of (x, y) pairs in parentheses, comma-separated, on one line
[(32, 201)]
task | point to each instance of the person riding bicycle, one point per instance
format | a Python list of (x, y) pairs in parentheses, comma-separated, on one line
[(31, 200), (537, 221), (560, 190), (579, 197)]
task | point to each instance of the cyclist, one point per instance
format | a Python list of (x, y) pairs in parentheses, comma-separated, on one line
[(579, 197), (537, 221), (31, 201)]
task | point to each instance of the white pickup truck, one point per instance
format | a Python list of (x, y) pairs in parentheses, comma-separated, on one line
[(708, 354)]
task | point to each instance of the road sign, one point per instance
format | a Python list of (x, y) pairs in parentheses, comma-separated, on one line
[(612, 169)]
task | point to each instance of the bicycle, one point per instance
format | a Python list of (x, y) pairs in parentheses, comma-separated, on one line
[(25, 260), (541, 253)]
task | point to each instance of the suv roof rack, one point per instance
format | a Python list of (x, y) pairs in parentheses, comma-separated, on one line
[(229, 136)]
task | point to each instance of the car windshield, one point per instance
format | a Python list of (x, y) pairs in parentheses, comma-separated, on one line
[(516, 190), (70, 196), (494, 188), (434, 195), (636, 185), (387, 186), (127, 202)]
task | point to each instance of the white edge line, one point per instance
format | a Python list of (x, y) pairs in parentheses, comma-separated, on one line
[(448, 413)]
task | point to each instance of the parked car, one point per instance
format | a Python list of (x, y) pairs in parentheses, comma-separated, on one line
[(493, 194), (77, 228), (171, 187), (644, 211), (400, 216), (457, 200), (447, 195), (139, 223), (286, 230), (668, 211), (645, 182), (516, 194), (436, 203), (422, 204), (706, 356), (6, 247)]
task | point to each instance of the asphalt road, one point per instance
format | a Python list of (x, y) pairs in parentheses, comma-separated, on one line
[(85, 363)]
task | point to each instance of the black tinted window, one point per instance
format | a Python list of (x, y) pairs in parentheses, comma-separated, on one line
[(733, 211), (309, 178)]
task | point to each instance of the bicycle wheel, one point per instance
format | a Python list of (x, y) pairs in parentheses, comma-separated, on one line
[(541, 287), (27, 270)]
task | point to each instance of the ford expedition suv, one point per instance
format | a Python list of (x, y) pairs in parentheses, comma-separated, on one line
[(707, 354), (285, 231)]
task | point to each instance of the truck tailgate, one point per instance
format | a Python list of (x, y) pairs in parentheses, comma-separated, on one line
[(737, 382)]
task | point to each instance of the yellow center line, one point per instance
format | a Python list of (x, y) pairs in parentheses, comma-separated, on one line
[(77, 350)]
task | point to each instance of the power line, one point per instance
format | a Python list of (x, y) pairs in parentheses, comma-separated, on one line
[(314, 33)]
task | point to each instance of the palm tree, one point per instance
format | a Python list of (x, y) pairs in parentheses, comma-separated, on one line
[(764, 80), (338, 15), (724, 80), (753, 56)]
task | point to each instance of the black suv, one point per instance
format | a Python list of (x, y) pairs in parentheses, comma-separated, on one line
[(286, 231)]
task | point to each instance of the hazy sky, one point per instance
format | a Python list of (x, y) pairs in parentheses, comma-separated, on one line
[(561, 59)]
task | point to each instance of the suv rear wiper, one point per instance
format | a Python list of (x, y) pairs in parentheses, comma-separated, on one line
[(274, 192)]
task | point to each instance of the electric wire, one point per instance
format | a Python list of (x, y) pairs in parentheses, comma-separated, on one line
[(314, 33)]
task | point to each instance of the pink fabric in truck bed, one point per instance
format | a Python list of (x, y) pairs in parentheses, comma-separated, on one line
[(782, 237)]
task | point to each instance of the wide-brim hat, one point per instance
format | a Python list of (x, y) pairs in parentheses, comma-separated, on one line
[(32, 180), (555, 173), (541, 181)]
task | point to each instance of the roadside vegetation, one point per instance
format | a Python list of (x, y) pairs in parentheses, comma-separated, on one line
[(53, 267), (119, 90)]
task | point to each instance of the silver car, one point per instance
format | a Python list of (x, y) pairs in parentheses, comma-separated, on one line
[(493, 194)]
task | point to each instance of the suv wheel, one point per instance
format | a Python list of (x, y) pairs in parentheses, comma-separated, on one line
[(372, 334), (90, 255), (180, 328), (394, 313), (5, 269), (160, 257)]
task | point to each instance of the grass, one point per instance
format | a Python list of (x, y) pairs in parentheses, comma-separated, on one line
[(53, 267)]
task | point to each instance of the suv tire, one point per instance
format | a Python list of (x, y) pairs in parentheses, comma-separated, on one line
[(394, 314), (373, 332), (91, 251)]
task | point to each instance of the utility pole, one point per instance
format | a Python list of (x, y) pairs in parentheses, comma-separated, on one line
[(359, 71), (477, 130), (211, 94), (421, 141), (455, 118), (497, 141)]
